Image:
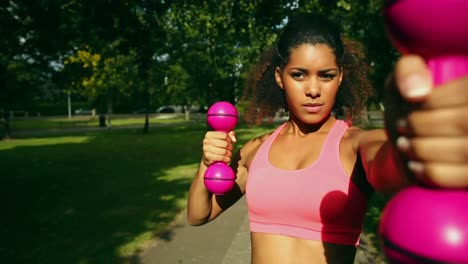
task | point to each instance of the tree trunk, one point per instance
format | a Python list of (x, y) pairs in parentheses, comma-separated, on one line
[(6, 125), (100, 104), (146, 127), (147, 99), (110, 110)]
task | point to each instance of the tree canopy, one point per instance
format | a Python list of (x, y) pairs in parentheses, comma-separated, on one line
[(145, 53)]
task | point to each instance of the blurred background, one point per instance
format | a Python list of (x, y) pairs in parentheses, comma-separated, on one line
[(96, 58), (75, 188)]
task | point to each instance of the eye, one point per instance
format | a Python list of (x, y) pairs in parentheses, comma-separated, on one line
[(328, 76), (298, 75)]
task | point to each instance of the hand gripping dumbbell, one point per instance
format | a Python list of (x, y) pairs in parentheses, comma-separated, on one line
[(423, 223), (219, 177)]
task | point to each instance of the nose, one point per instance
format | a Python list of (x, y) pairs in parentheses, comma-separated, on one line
[(313, 88)]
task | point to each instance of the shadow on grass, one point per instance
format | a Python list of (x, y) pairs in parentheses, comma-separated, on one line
[(89, 201), (93, 197)]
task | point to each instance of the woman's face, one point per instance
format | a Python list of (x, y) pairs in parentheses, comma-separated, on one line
[(310, 82)]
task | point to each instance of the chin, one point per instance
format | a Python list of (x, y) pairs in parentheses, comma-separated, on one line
[(315, 119)]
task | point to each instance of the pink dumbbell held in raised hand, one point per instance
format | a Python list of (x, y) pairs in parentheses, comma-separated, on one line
[(219, 177)]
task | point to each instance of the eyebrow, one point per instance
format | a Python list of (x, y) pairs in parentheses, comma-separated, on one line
[(328, 70), (324, 71)]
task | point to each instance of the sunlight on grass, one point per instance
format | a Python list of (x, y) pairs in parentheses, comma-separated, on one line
[(182, 171), (139, 241), (141, 121), (135, 244), (34, 142), (179, 172), (102, 197), (47, 123), (96, 198)]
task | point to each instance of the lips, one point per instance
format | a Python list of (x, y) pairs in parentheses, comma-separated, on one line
[(313, 108)]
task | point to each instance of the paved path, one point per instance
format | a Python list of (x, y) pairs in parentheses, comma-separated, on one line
[(226, 240)]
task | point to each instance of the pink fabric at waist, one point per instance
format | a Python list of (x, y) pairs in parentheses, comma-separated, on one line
[(346, 238)]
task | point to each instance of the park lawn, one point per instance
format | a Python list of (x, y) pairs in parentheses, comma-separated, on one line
[(48, 123), (100, 197), (95, 197)]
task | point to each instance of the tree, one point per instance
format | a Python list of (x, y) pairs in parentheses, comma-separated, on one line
[(159, 52), (106, 79), (24, 57), (116, 31), (215, 42)]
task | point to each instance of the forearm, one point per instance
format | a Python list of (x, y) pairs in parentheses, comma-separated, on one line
[(386, 172), (199, 204)]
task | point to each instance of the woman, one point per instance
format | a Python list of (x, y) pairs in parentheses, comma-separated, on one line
[(307, 183)]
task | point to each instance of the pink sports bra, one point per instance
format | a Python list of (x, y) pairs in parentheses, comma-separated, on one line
[(319, 202)]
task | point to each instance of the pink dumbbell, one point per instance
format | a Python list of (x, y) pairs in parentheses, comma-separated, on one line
[(219, 177), (424, 224)]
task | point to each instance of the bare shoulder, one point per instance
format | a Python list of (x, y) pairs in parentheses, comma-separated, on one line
[(250, 148), (360, 137), (354, 132), (243, 158)]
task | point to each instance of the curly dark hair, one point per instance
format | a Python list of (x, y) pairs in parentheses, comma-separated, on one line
[(264, 94)]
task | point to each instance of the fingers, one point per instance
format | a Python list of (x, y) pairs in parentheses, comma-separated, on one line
[(446, 175), (437, 161), (218, 147), (439, 150), (449, 95), (414, 82), (413, 78), (232, 135), (441, 162), (447, 122), (434, 131)]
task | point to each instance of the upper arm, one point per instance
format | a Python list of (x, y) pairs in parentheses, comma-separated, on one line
[(240, 165), (368, 144)]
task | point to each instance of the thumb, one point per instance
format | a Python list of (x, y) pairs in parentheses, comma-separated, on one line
[(232, 135), (413, 78)]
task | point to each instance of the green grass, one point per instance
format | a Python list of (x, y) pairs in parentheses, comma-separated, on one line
[(47, 123), (99, 197), (94, 197)]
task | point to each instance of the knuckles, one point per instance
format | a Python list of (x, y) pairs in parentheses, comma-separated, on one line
[(461, 122)]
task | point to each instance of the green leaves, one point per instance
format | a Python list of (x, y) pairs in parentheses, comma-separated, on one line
[(210, 45)]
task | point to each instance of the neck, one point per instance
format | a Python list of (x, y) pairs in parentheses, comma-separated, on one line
[(298, 127)]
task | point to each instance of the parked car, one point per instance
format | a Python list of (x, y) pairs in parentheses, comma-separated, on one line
[(166, 110), (83, 111), (202, 109), (144, 111)]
